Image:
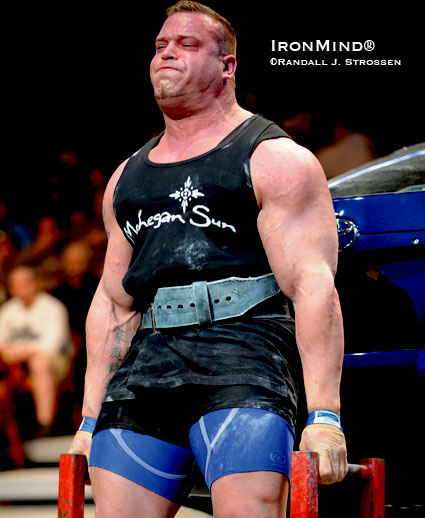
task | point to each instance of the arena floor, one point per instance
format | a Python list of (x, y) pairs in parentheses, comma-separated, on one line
[(33, 492)]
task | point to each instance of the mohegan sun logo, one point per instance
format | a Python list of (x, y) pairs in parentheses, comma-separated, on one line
[(199, 216), (186, 193)]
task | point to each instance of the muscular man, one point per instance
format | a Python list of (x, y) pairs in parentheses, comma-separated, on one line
[(202, 222)]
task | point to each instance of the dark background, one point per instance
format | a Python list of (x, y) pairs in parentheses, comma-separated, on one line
[(77, 77)]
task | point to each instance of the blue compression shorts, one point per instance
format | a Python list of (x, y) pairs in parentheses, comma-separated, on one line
[(223, 442)]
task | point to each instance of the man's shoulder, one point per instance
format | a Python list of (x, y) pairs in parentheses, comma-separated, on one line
[(9, 305), (283, 146), (132, 160), (283, 154), (282, 167)]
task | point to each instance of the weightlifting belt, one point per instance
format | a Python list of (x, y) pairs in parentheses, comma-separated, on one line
[(202, 302)]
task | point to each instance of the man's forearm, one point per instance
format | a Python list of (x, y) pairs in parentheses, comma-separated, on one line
[(109, 332), (321, 345)]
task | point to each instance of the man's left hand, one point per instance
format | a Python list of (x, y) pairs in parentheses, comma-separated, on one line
[(329, 442)]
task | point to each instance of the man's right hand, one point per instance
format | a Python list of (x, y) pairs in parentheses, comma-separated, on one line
[(81, 444)]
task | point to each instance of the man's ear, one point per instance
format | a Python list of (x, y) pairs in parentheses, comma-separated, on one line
[(229, 66)]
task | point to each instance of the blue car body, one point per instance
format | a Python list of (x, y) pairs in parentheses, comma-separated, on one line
[(380, 211)]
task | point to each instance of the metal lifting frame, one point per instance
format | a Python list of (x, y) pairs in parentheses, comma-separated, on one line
[(304, 497), (303, 494), (73, 475)]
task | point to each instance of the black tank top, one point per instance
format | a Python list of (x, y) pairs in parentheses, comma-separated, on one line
[(195, 219)]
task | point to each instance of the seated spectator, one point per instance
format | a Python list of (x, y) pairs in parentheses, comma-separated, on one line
[(8, 254), (35, 334), (349, 149), (47, 240), (77, 284), (76, 290), (299, 126), (15, 227)]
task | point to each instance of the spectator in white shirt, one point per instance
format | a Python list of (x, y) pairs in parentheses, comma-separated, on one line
[(34, 332)]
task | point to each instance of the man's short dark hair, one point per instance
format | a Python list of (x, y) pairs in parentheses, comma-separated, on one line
[(226, 38)]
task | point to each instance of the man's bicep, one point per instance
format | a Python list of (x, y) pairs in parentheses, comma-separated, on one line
[(117, 259), (108, 213), (118, 251), (296, 221)]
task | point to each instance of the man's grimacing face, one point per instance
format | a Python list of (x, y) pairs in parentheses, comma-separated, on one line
[(187, 60)]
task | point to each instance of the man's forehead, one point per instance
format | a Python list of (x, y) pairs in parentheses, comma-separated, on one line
[(21, 275), (188, 22)]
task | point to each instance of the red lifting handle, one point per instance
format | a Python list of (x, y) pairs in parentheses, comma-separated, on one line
[(73, 474), (305, 485)]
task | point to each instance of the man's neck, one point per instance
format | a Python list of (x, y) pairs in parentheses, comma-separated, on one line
[(29, 301), (214, 120)]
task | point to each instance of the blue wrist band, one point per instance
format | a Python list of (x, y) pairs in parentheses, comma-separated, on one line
[(324, 417), (87, 425)]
